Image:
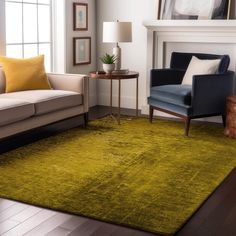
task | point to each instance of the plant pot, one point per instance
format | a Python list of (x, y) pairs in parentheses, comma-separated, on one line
[(108, 68)]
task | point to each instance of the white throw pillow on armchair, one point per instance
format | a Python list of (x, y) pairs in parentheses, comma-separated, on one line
[(200, 67)]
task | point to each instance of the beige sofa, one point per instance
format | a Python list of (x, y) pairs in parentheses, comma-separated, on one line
[(27, 110)]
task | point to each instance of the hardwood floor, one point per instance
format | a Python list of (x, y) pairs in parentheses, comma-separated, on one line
[(20, 219), (216, 217)]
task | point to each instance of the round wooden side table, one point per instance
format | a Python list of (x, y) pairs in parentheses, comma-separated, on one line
[(230, 129), (101, 75)]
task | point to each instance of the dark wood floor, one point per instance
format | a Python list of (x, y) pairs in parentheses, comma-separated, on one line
[(217, 216)]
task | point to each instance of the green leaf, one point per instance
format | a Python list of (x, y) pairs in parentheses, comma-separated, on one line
[(108, 59)]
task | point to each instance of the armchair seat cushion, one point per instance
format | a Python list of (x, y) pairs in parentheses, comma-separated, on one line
[(46, 101), (173, 94)]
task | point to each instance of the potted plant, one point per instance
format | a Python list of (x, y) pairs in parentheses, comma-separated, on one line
[(108, 62)]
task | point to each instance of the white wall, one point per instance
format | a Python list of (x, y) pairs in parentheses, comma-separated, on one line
[(133, 54), (70, 33), (2, 27)]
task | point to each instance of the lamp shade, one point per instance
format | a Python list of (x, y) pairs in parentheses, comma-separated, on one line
[(117, 32)]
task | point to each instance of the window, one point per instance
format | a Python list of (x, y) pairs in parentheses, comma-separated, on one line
[(28, 29)]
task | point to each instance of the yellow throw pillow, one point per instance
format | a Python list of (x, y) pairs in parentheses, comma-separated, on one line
[(24, 74)]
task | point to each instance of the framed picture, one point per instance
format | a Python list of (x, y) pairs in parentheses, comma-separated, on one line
[(80, 16), (222, 9), (82, 50), (192, 9)]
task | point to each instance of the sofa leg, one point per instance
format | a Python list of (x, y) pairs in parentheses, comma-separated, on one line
[(187, 126), (150, 114), (224, 120), (85, 119)]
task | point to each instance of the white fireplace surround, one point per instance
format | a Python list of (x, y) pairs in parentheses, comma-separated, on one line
[(161, 32)]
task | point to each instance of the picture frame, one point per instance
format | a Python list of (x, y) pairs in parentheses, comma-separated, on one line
[(80, 16), (82, 50), (194, 10), (158, 7)]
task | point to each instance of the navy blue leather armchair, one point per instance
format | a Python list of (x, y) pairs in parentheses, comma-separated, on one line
[(204, 98)]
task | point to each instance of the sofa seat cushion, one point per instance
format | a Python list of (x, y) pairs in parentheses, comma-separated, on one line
[(13, 110), (173, 94), (46, 101)]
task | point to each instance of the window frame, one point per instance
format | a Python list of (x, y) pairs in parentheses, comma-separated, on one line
[(38, 43)]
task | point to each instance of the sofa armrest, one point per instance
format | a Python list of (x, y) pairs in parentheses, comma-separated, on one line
[(210, 92), (71, 82), (166, 76)]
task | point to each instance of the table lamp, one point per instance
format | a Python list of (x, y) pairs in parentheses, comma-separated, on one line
[(117, 32)]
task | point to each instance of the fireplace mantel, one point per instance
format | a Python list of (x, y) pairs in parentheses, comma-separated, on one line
[(160, 32), (191, 25), (184, 31)]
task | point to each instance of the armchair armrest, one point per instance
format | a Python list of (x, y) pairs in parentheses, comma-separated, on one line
[(166, 76), (209, 93), (71, 82)]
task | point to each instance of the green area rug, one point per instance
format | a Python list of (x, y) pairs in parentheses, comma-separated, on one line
[(146, 176)]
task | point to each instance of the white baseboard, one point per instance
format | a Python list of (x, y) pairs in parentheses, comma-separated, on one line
[(126, 101), (145, 111), (130, 103), (93, 100)]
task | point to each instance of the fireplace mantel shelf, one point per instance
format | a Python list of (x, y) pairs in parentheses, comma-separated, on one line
[(190, 25)]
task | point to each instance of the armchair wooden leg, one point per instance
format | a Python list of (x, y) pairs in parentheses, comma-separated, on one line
[(150, 114), (187, 126), (224, 120), (85, 119)]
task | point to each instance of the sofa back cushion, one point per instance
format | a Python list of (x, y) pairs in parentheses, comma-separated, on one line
[(2, 81), (181, 60), (24, 74)]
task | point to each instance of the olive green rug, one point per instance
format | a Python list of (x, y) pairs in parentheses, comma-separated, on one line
[(146, 176)]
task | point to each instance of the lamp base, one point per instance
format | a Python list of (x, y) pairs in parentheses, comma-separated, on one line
[(117, 53), (121, 71)]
